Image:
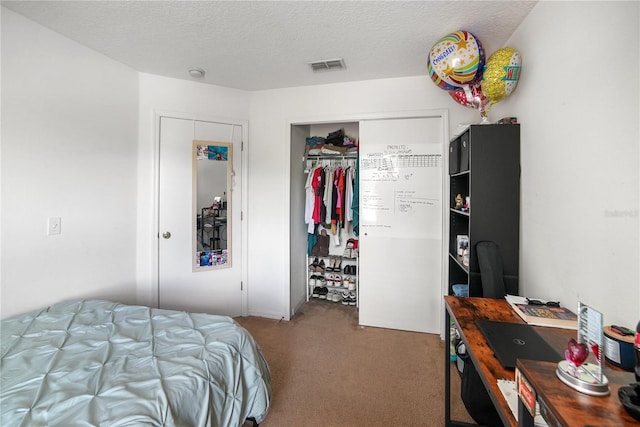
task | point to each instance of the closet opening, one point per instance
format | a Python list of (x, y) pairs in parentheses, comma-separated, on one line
[(398, 262), (324, 245)]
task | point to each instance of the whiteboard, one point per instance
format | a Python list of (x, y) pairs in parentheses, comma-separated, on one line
[(400, 189), (400, 180)]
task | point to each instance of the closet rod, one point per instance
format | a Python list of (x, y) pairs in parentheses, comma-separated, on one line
[(330, 156)]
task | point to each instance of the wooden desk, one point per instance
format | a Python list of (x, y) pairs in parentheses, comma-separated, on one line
[(560, 405), (466, 310)]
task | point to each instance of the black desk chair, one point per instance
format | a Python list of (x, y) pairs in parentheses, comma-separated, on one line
[(491, 269)]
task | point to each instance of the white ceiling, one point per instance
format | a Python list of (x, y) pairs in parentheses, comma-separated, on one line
[(254, 45)]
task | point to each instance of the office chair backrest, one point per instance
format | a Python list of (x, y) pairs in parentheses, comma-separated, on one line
[(491, 269)]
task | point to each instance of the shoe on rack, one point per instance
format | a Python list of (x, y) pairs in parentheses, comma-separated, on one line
[(320, 267), (352, 285), (337, 280), (338, 265), (312, 281), (323, 292), (336, 296), (345, 282), (352, 298), (345, 298), (331, 264), (313, 265), (316, 292), (329, 296)]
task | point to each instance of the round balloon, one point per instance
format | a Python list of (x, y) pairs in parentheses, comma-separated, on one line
[(501, 74), (472, 96), (456, 60)]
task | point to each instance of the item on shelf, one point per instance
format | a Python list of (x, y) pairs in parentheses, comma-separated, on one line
[(349, 298), (351, 249), (321, 248), (335, 297), (508, 121), (335, 137), (458, 201), (636, 347), (619, 348), (460, 290), (462, 244), (314, 264), (630, 398), (330, 264)]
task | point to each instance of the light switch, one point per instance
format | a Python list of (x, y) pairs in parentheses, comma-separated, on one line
[(54, 225)]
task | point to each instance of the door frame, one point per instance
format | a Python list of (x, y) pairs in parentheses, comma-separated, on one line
[(443, 114), (155, 268)]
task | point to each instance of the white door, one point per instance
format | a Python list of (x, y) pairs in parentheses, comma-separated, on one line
[(217, 291), (400, 178)]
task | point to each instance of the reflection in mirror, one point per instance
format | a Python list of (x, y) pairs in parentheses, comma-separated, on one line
[(211, 204)]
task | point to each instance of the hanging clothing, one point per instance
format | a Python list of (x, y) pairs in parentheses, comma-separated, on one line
[(328, 194), (317, 185), (355, 204), (348, 196), (309, 202)]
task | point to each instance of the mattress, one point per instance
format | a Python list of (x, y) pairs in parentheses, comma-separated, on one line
[(100, 363)]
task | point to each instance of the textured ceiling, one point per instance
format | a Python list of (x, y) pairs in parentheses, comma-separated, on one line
[(255, 45)]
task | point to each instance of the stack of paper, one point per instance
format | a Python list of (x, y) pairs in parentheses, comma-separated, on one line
[(508, 389)]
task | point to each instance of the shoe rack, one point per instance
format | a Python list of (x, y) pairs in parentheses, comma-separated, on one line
[(333, 279)]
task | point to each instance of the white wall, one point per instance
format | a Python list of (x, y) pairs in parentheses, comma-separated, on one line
[(577, 101), (69, 148), (189, 99)]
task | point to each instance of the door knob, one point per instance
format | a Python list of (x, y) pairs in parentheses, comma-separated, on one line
[(166, 235)]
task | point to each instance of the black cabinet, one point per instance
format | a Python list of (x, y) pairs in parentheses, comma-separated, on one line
[(484, 200)]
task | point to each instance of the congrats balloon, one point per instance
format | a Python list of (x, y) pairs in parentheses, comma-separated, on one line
[(456, 60), (501, 74)]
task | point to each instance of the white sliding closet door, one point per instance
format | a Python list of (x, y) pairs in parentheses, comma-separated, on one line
[(401, 223)]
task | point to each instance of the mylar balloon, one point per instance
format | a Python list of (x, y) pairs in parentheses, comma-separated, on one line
[(456, 60), (472, 96), (501, 74)]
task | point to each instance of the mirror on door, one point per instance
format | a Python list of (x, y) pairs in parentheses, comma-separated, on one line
[(211, 205)]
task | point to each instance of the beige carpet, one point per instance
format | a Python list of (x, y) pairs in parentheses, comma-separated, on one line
[(328, 371)]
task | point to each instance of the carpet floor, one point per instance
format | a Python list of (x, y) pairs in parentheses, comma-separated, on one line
[(329, 371)]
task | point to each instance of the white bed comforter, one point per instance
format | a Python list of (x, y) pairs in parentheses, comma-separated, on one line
[(101, 363)]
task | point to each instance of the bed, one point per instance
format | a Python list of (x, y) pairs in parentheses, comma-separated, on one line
[(102, 363)]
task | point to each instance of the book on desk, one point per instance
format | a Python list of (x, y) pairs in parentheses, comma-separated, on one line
[(543, 315)]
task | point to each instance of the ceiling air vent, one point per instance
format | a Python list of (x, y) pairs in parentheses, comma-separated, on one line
[(327, 65)]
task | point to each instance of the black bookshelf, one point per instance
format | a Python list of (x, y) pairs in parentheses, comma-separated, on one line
[(484, 164)]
